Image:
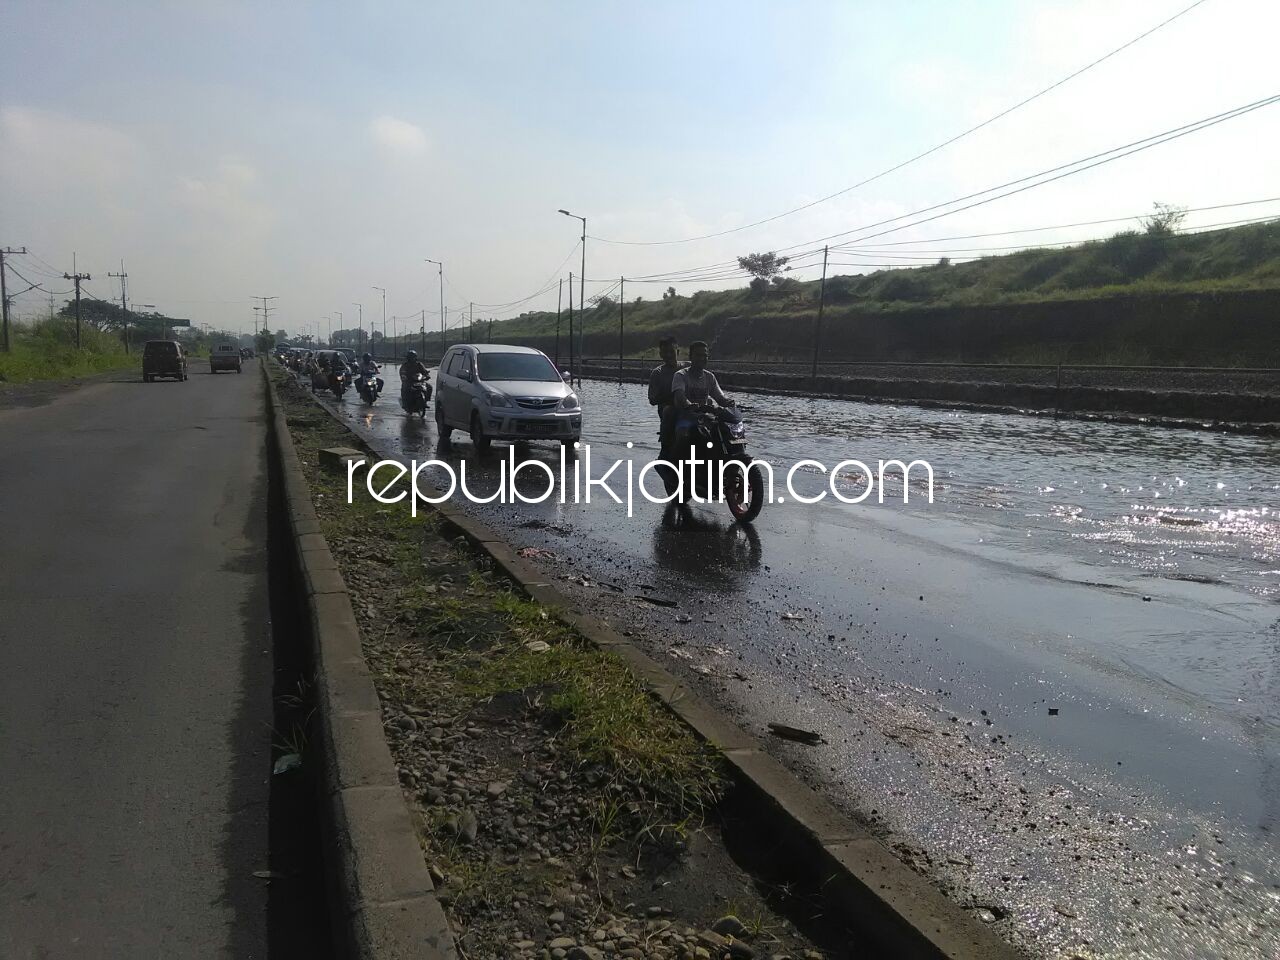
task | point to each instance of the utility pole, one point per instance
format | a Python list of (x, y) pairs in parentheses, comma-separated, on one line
[(124, 302), (360, 326), (559, 297), (77, 277), (4, 292), (622, 307), (424, 333), (817, 327), (471, 323), (266, 313), (572, 370)]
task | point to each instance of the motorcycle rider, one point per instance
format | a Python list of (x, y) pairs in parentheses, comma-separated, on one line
[(411, 367), (693, 388), (660, 389), (370, 368)]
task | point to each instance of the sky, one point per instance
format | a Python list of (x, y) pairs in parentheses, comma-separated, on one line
[(315, 151)]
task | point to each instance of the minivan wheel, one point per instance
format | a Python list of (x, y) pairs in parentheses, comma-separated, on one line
[(478, 439), (444, 432)]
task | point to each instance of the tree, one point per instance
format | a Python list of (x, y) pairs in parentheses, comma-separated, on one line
[(1166, 219), (763, 266), (264, 342), (669, 293)]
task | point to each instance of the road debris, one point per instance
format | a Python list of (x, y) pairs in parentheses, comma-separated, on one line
[(795, 733)]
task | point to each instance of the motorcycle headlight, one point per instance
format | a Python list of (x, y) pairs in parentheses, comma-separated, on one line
[(737, 429), (498, 400), (570, 402)]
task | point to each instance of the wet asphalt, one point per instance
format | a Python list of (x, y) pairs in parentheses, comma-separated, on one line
[(1070, 727), (135, 696)]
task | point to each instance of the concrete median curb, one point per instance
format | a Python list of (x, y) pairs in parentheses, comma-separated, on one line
[(383, 903), (859, 878)]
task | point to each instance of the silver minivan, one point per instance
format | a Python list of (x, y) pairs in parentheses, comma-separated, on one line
[(495, 391)]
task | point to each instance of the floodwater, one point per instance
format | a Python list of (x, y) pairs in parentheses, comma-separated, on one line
[(1055, 689)]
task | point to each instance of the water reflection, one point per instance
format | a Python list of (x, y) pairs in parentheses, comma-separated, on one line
[(705, 550)]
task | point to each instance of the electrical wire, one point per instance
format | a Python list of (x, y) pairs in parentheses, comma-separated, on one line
[(918, 156), (1067, 226), (1022, 184)]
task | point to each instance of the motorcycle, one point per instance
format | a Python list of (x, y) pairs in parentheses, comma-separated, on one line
[(338, 383), (719, 437), (368, 386), (416, 395)]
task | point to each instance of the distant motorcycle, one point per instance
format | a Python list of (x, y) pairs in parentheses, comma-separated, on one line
[(719, 436), (368, 386), (416, 395), (338, 383)]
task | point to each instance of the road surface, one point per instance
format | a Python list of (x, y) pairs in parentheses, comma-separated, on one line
[(135, 693), (1056, 689)]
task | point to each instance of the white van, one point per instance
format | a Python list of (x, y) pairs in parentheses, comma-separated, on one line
[(499, 392)]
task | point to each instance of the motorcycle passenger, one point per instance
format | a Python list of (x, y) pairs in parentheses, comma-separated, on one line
[(411, 367), (694, 388), (660, 389)]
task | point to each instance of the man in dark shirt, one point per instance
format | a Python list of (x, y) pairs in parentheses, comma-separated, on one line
[(660, 388)]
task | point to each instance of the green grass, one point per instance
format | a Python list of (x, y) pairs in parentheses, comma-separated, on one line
[(49, 353), (1128, 270)]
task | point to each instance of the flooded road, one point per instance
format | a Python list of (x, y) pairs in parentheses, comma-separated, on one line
[(1055, 689)]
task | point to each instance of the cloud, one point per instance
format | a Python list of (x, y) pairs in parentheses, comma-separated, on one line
[(228, 196), (398, 137), (45, 148)]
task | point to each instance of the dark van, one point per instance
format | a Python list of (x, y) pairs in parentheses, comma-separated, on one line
[(163, 358)]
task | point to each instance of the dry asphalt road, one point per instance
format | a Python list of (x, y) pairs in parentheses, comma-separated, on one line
[(135, 694)]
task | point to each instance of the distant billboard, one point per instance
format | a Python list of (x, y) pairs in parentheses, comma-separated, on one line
[(178, 323)]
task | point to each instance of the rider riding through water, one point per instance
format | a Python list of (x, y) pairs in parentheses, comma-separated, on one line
[(660, 389), (411, 367), (693, 388)]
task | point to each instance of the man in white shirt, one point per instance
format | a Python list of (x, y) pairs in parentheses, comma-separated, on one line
[(695, 386)]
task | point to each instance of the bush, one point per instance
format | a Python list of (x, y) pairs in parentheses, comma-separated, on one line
[(47, 351)]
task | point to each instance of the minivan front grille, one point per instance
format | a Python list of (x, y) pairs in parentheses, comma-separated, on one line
[(536, 403)]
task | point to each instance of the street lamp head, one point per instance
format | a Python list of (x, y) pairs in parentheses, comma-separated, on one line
[(566, 213)]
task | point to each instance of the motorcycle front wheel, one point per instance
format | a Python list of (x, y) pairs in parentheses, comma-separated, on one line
[(745, 500)]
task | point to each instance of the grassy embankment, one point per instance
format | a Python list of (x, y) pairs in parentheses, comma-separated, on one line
[(1134, 297), (48, 352)]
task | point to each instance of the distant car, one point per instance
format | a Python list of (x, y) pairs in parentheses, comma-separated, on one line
[(498, 392), (347, 354), (224, 356), (163, 358), (246, 353)]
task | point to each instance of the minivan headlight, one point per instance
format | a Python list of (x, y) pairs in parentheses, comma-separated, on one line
[(570, 402), (497, 400)]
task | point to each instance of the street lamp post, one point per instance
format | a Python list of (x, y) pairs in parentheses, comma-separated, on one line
[(360, 307), (384, 312), (339, 313), (442, 343), (582, 295)]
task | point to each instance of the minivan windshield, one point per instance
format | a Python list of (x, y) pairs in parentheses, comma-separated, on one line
[(517, 366)]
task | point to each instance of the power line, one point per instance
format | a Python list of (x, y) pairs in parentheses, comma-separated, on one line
[(1019, 185), (1068, 226), (918, 156)]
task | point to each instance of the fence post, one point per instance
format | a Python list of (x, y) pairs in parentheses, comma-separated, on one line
[(622, 302)]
